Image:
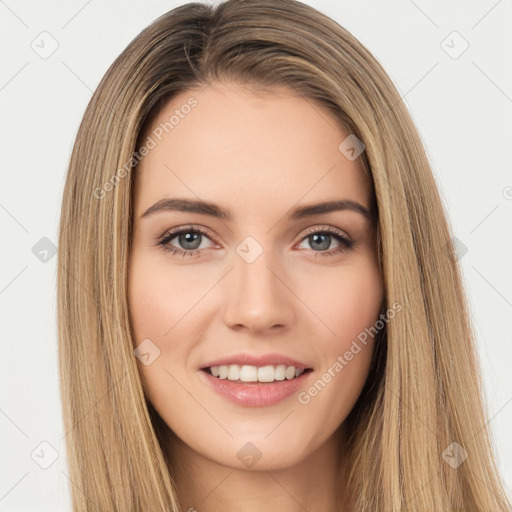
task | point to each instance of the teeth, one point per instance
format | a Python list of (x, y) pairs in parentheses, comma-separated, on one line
[(280, 372), (248, 373), (266, 374), (233, 372)]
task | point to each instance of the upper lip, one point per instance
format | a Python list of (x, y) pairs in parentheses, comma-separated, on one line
[(271, 359)]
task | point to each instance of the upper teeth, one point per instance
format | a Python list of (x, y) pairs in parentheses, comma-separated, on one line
[(255, 373)]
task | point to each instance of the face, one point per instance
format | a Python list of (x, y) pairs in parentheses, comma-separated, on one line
[(254, 286)]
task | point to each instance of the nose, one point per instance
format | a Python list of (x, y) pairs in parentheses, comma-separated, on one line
[(259, 296)]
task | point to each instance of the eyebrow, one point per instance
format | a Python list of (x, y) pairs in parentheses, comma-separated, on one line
[(214, 210)]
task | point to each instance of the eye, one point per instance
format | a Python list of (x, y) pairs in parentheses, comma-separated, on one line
[(187, 236), (190, 238), (321, 238)]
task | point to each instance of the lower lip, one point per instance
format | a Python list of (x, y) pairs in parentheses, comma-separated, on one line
[(255, 394)]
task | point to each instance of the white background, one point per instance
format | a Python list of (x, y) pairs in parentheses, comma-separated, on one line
[(461, 106)]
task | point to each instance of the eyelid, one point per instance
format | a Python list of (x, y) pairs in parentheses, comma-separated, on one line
[(322, 228)]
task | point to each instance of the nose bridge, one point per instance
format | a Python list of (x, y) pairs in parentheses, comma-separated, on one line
[(260, 300)]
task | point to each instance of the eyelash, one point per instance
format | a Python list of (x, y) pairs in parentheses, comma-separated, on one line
[(345, 242)]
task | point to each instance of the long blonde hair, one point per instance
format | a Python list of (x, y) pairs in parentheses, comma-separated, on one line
[(424, 391)]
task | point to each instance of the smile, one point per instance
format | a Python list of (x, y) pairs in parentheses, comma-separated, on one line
[(255, 393), (247, 373)]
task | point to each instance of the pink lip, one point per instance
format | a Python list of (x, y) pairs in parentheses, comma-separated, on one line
[(271, 359), (254, 394)]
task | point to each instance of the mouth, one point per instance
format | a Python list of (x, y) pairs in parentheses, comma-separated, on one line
[(255, 380), (246, 374), (255, 386)]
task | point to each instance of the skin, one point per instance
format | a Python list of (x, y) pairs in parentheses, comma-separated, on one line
[(257, 155)]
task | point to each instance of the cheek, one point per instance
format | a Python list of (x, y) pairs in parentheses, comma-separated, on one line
[(349, 308), (165, 306), (150, 305), (346, 303), (351, 305), (157, 313), (160, 298)]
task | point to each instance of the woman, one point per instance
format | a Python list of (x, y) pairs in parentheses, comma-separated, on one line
[(259, 303)]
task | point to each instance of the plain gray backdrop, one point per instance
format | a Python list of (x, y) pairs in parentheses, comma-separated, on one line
[(451, 64)]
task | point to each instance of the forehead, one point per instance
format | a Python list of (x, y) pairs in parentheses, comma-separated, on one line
[(247, 149)]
